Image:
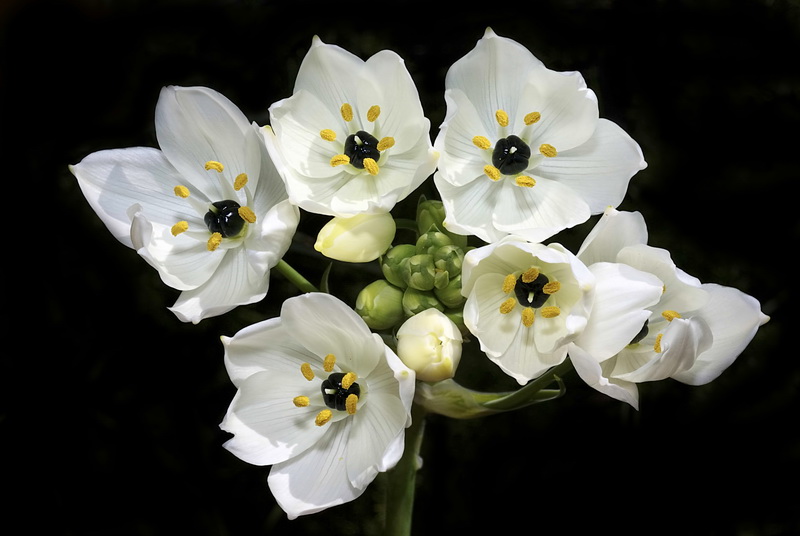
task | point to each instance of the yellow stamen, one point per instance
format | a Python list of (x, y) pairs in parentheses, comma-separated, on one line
[(323, 417), (482, 142), (240, 181), (548, 150), (340, 159), (530, 275), (348, 380), (657, 345), (532, 118), (347, 112), (550, 311), (671, 315), (492, 172), (327, 134), (247, 214), (371, 166), (525, 181), (552, 287), (501, 117), (373, 113), (181, 191), (509, 283), (329, 362), (305, 370), (350, 404), (385, 143), (301, 401), (527, 317), (179, 228), (508, 306), (214, 241), (216, 166)]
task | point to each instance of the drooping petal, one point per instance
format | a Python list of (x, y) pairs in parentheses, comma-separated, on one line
[(594, 375), (614, 231), (733, 317), (114, 180)]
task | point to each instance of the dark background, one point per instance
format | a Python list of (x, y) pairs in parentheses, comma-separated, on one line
[(111, 406)]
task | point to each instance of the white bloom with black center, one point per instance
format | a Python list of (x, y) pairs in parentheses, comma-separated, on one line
[(320, 398), (208, 210)]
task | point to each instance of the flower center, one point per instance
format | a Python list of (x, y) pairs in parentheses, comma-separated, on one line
[(511, 155), (531, 290), (360, 146), (338, 388), (223, 218), (339, 391), (361, 149)]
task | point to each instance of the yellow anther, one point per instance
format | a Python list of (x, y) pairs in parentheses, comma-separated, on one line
[(501, 117), (240, 181), (214, 241), (482, 142), (508, 306), (509, 283), (350, 404), (181, 191), (323, 417), (373, 113), (371, 166), (551, 311), (552, 287), (305, 370), (530, 275), (340, 159), (525, 181), (329, 362), (327, 134), (347, 112), (216, 166), (527, 317), (657, 345), (348, 380), (301, 401), (492, 172), (671, 315), (385, 143), (179, 228), (247, 214), (532, 118), (548, 150)]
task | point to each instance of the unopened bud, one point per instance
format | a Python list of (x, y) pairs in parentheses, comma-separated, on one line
[(415, 301), (380, 304), (393, 263), (360, 238), (430, 344), (419, 272)]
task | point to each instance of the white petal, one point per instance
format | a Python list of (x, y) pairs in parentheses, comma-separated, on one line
[(114, 180), (591, 372), (461, 162), (330, 73), (619, 310), (523, 360), (469, 209), (495, 331), (614, 231), (598, 170), (734, 317)]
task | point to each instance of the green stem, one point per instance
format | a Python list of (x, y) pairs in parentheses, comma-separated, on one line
[(520, 397), (294, 277), (403, 479)]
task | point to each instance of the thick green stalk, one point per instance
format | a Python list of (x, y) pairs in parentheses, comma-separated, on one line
[(402, 479), (294, 277)]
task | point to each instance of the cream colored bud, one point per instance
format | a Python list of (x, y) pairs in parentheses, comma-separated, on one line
[(361, 238), (430, 344)]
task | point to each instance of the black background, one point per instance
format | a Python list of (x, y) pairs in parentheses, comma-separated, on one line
[(111, 405)]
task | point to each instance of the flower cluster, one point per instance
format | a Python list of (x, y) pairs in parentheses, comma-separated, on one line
[(325, 391)]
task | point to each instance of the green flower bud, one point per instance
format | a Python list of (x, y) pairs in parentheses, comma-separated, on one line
[(415, 301), (429, 242), (430, 213), (450, 295), (449, 259), (380, 304), (392, 263), (419, 272)]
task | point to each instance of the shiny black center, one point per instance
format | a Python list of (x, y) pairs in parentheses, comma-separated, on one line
[(362, 145), (511, 155), (532, 293), (334, 394), (223, 218)]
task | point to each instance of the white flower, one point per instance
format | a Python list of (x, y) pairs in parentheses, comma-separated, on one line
[(694, 332), (430, 343), (352, 138), (530, 304), (208, 211), (522, 148), (360, 238), (320, 398)]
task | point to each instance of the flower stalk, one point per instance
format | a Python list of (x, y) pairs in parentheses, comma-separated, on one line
[(295, 277), (402, 478)]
